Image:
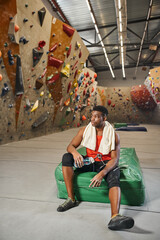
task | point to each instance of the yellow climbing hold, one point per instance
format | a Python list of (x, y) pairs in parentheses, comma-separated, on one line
[(71, 93), (66, 70), (35, 106), (49, 95), (42, 93), (75, 84)]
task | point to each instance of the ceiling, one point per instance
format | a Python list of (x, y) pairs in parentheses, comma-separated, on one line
[(142, 31)]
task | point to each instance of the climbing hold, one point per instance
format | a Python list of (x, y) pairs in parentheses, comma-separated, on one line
[(43, 74), (109, 102), (1, 77), (23, 40), (19, 89), (67, 102), (52, 49), (66, 70), (54, 62), (37, 54), (92, 89), (68, 110), (28, 105), (80, 54), (69, 86), (16, 28), (53, 79), (78, 45), (38, 84), (41, 15), (68, 30), (113, 105), (84, 92), (26, 5), (74, 116), (40, 120), (41, 44), (10, 58), (84, 118), (75, 74), (77, 98), (87, 74), (69, 50), (25, 20), (5, 90), (35, 106), (95, 75), (42, 93)]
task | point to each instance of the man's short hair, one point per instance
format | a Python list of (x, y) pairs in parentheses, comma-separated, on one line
[(101, 109)]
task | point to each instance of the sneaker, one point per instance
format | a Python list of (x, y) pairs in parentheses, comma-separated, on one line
[(67, 205), (120, 222)]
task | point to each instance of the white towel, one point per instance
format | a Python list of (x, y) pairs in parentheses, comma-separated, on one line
[(108, 138)]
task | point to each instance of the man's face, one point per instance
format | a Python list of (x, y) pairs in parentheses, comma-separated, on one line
[(97, 119)]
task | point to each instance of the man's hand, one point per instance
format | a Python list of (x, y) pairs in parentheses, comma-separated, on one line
[(78, 159), (96, 181)]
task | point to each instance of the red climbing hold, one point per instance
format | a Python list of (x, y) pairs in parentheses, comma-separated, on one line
[(69, 87), (41, 44), (54, 62), (69, 50), (87, 75), (53, 48), (68, 30), (80, 54), (54, 79)]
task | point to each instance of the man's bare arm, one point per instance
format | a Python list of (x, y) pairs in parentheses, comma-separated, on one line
[(76, 141)]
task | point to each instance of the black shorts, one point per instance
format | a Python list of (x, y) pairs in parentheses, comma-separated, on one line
[(112, 177)]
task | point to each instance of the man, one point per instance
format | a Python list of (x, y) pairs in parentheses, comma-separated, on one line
[(102, 144)]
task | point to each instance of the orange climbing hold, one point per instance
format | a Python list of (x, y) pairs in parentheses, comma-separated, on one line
[(95, 75), (67, 102), (16, 28), (84, 118), (1, 77)]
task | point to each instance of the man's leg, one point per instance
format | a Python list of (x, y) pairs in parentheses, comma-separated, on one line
[(68, 174), (117, 222), (115, 198)]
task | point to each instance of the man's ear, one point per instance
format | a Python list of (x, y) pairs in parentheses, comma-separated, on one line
[(105, 118)]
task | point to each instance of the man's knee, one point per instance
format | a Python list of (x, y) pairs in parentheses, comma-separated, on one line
[(67, 160)]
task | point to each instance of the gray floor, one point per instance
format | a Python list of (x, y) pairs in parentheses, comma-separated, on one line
[(28, 191)]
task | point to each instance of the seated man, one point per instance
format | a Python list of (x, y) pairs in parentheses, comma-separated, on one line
[(103, 145)]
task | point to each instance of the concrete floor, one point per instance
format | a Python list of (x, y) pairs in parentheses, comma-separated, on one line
[(28, 191)]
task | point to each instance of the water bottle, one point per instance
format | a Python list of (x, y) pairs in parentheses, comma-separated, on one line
[(86, 161)]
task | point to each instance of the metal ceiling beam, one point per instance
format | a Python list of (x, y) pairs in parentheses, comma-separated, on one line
[(103, 68), (126, 44), (59, 10), (115, 52), (108, 34), (144, 33), (130, 30), (131, 58), (114, 58), (114, 24)]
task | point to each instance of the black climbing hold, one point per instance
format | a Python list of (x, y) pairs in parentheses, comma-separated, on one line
[(5, 90), (25, 20), (10, 58), (40, 120), (19, 89), (41, 15), (23, 40), (37, 54)]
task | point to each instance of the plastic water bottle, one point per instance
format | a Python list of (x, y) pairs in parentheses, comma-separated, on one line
[(86, 161)]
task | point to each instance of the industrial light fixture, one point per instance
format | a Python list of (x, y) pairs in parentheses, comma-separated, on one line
[(99, 36), (121, 30)]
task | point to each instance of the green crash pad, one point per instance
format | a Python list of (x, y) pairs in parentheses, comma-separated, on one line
[(131, 182), (118, 125)]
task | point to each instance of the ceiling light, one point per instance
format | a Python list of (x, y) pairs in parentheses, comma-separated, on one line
[(120, 16), (119, 4), (120, 27)]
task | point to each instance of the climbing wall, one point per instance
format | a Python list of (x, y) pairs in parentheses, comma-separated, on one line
[(121, 108), (152, 83), (79, 96), (42, 79)]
